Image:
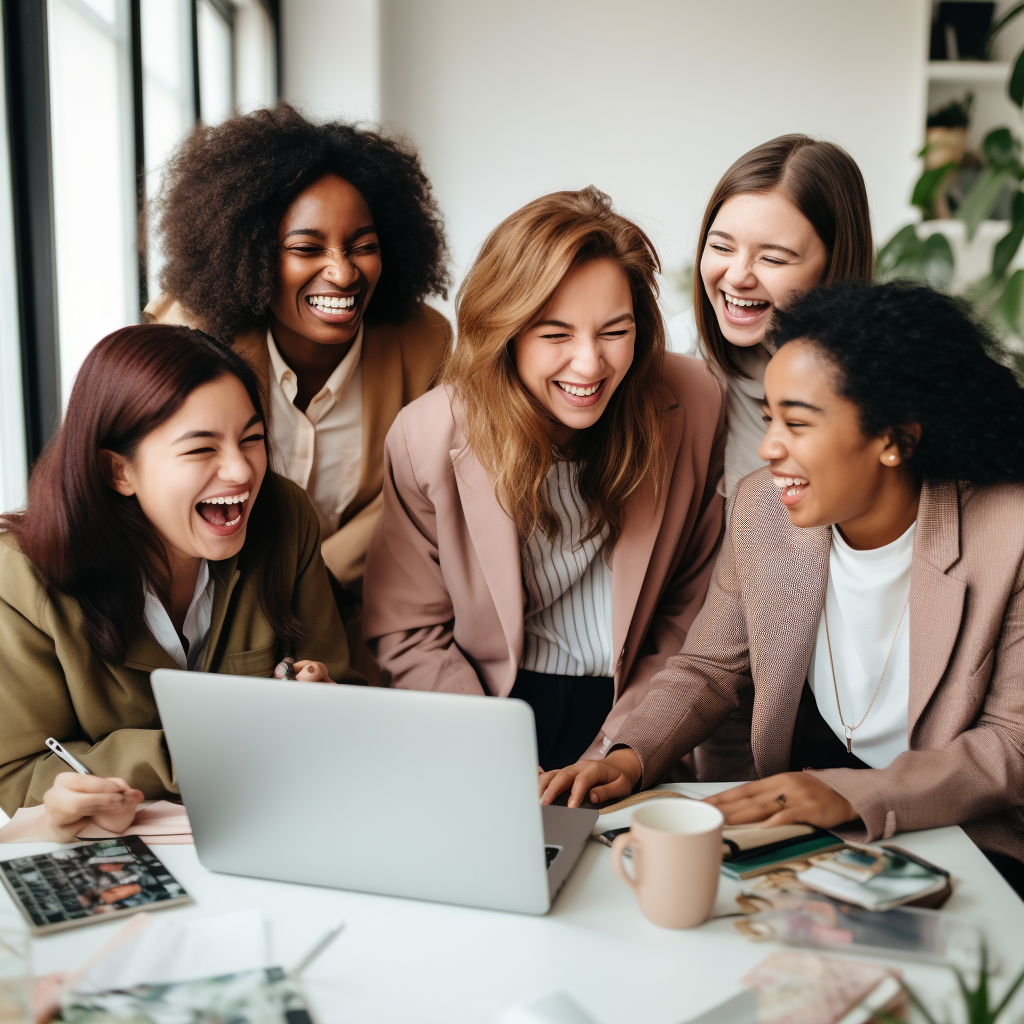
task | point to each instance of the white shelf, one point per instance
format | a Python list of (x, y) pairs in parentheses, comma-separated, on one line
[(978, 71)]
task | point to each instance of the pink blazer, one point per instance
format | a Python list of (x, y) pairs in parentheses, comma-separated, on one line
[(443, 592), (739, 677)]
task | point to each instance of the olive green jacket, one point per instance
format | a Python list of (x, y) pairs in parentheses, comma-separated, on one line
[(52, 683)]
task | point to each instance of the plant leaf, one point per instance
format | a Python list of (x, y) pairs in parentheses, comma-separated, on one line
[(916, 1000), (929, 187), (1015, 90), (890, 253), (1003, 21), (1010, 993), (980, 201), (1007, 310), (1007, 246), (1001, 148), (907, 256)]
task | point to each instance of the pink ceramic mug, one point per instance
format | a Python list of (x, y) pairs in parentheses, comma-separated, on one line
[(677, 854)]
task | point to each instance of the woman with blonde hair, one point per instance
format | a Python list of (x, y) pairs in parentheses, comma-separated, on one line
[(789, 215), (550, 515)]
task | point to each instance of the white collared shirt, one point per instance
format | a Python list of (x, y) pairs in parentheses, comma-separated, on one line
[(197, 621), (320, 449)]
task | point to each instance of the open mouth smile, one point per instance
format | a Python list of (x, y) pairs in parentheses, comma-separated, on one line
[(333, 308), (580, 395), (791, 488), (744, 311), (223, 513)]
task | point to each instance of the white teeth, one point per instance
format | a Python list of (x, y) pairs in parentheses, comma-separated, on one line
[(329, 303), (782, 482), (240, 499), (581, 392), (732, 300)]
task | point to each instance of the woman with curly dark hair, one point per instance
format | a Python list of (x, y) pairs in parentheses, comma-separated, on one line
[(310, 249), (867, 610)]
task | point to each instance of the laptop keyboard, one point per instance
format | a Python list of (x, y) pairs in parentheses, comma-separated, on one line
[(552, 852)]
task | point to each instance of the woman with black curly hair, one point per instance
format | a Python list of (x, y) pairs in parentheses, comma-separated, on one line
[(310, 249), (867, 610)]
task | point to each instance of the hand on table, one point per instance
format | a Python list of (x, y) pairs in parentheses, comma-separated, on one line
[(806, 799), (312, 672), (610, 779), (73, 800)]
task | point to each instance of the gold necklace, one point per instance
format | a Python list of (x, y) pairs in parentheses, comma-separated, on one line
[(850, 728)]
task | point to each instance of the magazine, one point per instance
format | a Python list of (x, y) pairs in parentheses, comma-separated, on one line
[(89, 882), (266, 995)]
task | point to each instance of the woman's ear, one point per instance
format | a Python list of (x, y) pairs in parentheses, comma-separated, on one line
[(117, 472), (899, 448)]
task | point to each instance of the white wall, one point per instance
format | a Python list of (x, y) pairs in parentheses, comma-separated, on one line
[(651, 101), (330, 52)]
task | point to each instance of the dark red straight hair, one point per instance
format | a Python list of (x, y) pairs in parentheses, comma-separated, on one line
[(96, 545)]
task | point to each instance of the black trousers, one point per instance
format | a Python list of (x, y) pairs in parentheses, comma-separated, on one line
[(568, 710), (815, 745)]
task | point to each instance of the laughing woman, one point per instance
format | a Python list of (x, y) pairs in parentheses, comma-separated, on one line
[(789, 215), (550, 515), (862, 646), (154, 537), (310, 248)]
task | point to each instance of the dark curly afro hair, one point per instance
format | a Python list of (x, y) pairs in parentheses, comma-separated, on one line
[(906, 354), (228, 186)]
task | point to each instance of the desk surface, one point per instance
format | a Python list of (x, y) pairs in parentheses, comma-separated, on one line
[(409, 961)]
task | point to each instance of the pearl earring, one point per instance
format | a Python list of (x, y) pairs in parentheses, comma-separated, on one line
[(891, 458)]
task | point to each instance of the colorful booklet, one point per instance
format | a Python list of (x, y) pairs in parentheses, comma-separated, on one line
[(266, 995), (89, 882)]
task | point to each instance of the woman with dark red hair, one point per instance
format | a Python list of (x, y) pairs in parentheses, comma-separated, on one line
[(154, 537)]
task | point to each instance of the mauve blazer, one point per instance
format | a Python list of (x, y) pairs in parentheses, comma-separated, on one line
[(740, 673), (443, 591)]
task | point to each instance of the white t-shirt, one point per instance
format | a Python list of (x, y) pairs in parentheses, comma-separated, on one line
[(866, 593), (197, 621), (568, 618), (320, 449)]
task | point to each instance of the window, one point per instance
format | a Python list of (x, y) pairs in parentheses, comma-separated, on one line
[(215, 29), (12, 424), (93, 175)]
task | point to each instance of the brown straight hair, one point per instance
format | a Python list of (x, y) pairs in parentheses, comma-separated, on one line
[(521, 264), (96, 545), (825, 184)]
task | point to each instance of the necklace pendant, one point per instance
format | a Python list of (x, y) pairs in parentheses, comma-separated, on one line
[(849, 740)]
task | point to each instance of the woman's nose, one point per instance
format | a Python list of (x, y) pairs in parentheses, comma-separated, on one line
[(740, 275), (586, 358), (771, 448), (340, 270), (234, 467)]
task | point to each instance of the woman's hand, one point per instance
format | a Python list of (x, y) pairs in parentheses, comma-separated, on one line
[(784, 799), (312, 672), (612, 778), (74, 799)]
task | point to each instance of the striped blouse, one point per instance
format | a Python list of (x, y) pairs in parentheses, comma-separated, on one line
[(568, 624)]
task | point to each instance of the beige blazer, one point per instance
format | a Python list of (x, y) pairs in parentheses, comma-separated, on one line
[(399, 364), (740, 673), (444, 599)]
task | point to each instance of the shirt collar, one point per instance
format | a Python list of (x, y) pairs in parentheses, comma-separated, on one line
[(336, 383)]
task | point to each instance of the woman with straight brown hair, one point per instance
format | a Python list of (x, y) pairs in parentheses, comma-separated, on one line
[(551, 514), (154, 537), (790, 214)]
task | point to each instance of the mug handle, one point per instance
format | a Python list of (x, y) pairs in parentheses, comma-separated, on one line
[(619, 847)]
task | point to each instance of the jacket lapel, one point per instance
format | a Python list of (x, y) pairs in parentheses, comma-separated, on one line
[(382, 401), (145, 654), (783, 632), (632, 554), (225, 577), (497, 547), (937, 600)]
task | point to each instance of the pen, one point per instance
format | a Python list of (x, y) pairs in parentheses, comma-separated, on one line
[(72, 762), (318, 947)]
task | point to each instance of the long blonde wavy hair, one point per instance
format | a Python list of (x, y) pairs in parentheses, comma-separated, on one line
[(521, 264)]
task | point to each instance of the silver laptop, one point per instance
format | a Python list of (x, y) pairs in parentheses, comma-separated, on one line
[(429, 795)]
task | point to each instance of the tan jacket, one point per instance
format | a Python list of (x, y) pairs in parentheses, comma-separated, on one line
[(742, 669), (444, 598), (52, 683), (399, 364)]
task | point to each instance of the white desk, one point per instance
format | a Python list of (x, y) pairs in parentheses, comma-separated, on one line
[(407, 961)]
